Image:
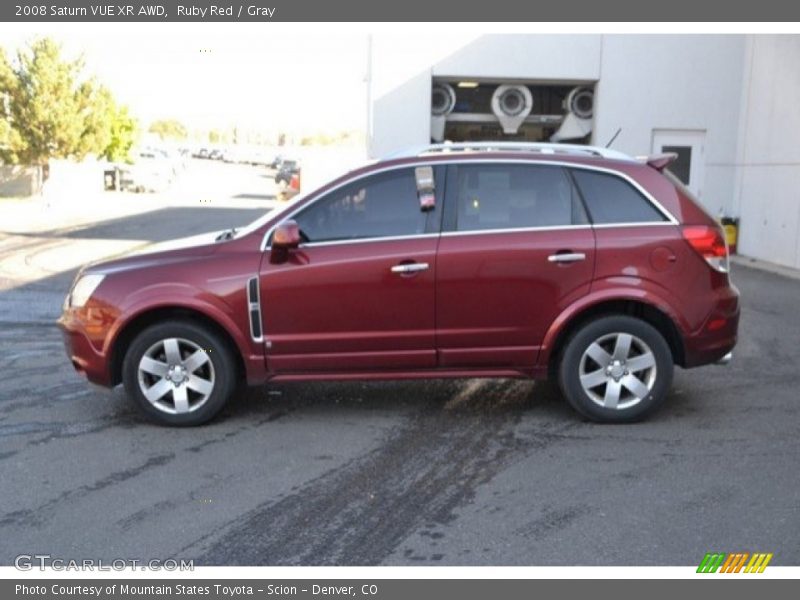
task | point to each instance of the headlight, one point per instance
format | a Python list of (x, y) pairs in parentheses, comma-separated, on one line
[(83, 290)]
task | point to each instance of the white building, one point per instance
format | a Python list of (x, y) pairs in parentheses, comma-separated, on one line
[(729, 103)]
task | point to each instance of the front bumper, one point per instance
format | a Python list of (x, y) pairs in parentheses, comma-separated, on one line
[(82, 352)]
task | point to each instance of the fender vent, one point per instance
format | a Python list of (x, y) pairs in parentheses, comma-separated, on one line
[(254, 309)]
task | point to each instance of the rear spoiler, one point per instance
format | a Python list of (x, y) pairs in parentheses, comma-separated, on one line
[(658, 161)]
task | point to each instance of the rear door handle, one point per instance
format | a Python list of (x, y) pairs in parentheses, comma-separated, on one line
[(566, 257), (410, 268)]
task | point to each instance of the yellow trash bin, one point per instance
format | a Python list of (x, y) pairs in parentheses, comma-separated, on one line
[(731, 228)]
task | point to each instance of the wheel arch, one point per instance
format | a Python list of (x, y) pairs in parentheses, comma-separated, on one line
[(160, 314), (648, 312)]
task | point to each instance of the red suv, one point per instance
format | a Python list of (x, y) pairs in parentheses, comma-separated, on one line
[(469, 260)]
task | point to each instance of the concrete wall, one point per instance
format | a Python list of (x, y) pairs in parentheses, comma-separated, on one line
[(19, 180), (402, 117), (767, 185), (528, 57), (74, 177), (399, 87), (675, 82), (740, 92)]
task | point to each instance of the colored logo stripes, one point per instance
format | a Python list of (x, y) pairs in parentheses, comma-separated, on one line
[(734, 562)]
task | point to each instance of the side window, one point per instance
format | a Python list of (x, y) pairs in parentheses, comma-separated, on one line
[(611, 199), (496, 196), (379, 206)]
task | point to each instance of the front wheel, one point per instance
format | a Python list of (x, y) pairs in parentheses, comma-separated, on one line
[(179, 373), (616, 369)]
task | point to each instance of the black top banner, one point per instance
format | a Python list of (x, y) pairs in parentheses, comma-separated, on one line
[(407, 10)]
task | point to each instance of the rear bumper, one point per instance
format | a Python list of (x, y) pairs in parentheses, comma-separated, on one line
[(717, 337), (86, 360)]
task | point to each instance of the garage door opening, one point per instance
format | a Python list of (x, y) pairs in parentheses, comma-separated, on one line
[(466, 110)]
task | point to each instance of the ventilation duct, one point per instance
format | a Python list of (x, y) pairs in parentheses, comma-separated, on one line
[(577, 124), (443, 101), (511, 104)]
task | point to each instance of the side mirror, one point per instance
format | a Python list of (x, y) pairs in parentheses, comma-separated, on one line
[(285, 237)]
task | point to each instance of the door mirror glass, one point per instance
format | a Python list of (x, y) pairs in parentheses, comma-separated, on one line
[(425, 188), (285, 237)]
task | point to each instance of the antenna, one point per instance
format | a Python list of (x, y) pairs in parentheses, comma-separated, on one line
[(611, 141)]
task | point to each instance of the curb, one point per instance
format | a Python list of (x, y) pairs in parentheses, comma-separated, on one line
[(763, 265)]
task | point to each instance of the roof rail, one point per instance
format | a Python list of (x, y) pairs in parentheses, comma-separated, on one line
[(541, 147)]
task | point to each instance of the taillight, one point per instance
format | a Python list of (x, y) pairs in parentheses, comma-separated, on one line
[(294, 182), (708, 242)]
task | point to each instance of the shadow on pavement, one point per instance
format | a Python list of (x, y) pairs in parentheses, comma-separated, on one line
[(168, 223), (40, 300)]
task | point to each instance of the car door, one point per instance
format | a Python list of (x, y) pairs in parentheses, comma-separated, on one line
[(358, 294), (516, 249)]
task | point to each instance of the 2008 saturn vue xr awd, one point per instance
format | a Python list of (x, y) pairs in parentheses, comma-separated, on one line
[(501, 260)]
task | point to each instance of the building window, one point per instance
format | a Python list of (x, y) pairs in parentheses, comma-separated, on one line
[(682, 165)]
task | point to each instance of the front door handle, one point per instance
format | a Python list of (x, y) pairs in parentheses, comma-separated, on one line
[(410, 268), (566, 257)]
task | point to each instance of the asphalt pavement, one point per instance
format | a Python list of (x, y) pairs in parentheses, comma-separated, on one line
[(464, 472)]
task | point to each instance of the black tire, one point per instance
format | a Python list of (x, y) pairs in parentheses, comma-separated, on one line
[(222, 361), (604, 328)]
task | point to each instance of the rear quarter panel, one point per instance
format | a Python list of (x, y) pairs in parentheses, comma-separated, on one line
[(657, 261)]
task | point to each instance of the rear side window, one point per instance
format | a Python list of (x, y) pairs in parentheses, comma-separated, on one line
[(379, 206), (496, 196), (611, 199)]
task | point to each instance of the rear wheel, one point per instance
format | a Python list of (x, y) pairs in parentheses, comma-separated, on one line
[(179, 373), (616, 369)]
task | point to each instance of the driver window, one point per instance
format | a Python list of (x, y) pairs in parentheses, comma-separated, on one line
[(379, 206)]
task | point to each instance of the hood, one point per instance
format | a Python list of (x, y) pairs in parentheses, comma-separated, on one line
[(160, 253)]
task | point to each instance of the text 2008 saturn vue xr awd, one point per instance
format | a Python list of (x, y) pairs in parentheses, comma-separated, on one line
[(530, 260)]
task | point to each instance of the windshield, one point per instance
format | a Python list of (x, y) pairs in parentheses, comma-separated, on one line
[(270, 214), (262, 220)]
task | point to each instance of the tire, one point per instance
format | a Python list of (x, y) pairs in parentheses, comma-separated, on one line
[(190, 395), (608, 384)]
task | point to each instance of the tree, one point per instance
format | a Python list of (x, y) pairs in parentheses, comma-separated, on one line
[(49, 110), (215, 136), (46, 104), (169, 129), (10, 141), (97, 107), (124, 132)]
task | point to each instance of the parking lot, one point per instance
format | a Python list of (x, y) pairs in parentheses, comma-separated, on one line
[(464, 472)]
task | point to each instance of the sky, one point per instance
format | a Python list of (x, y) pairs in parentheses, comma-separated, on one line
[(260, 78)]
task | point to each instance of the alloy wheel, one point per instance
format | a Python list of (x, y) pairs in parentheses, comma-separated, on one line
[(617, 371), (176, 375)]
